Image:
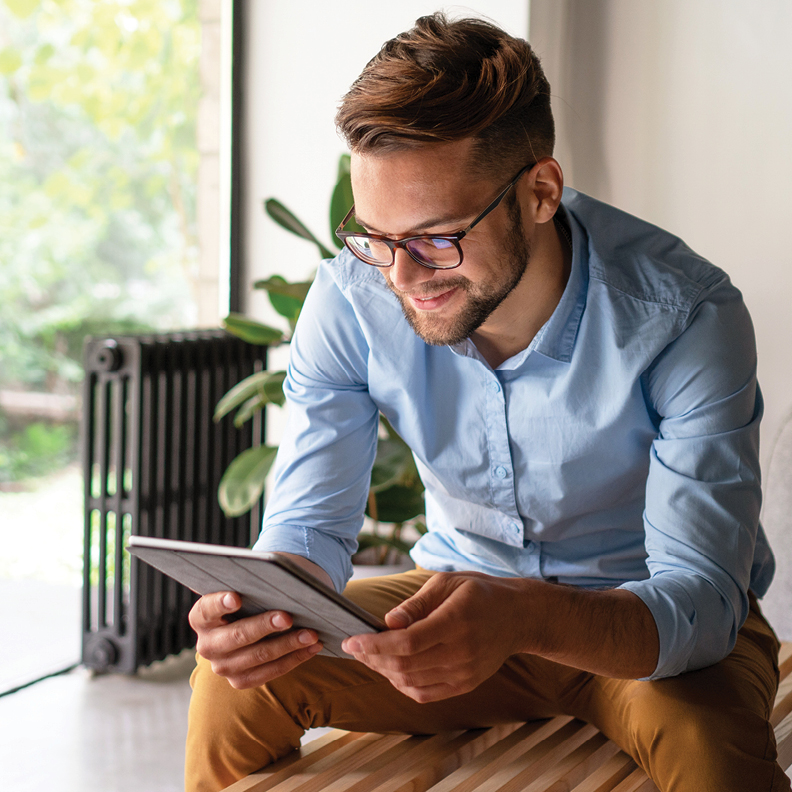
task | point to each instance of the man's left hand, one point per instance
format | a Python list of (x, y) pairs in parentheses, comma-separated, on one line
[(446, 639)]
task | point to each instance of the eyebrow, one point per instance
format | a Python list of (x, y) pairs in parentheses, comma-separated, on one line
[(432, 222)]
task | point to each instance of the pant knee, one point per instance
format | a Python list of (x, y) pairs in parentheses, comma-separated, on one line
[(232, 733), (683, 746)]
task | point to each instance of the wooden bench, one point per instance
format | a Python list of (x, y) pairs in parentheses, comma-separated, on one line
[(557, 755)]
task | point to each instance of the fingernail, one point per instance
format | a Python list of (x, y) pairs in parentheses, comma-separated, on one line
[(351, 645), (279, 620), (306, 638), (228, 602), (400, 616)]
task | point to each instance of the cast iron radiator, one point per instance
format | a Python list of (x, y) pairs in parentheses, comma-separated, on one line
[(152, 460)]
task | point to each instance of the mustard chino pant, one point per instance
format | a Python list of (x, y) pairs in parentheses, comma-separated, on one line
[(701, 731)]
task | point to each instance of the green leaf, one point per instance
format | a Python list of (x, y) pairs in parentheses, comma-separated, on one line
[(286, 305), (22, 8), (285, 219), (10, 60), (393, 462), (344, 166), (286, 298), (266, 385), (44, 53), (340, 203), (243, 481), (252, 331), (248, 410), (399, 503)]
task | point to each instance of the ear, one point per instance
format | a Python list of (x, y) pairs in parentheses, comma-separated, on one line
[(546, 182)]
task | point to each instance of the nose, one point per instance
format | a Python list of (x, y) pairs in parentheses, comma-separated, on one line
[(406, 273)]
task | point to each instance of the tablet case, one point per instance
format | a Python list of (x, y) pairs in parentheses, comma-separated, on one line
[(265, 581)]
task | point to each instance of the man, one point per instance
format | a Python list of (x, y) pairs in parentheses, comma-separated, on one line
[(579, 391)]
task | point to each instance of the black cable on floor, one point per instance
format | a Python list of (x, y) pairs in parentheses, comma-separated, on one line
[(39, 679)]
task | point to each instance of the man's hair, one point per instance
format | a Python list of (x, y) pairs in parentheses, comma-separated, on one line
[(443, 81)]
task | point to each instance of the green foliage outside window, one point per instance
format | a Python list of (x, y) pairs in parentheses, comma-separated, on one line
[(98, 173)]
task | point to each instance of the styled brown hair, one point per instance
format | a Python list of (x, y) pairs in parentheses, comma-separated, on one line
[(443, 81)]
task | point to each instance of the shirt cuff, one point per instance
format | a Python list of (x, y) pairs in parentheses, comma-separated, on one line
[(695, 625), (326, 551)]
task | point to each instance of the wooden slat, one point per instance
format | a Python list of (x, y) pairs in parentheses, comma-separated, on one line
[(324, 772), (782, 708), (437, 767), (556, 755), (295, 762), (575, 767), (784, 657), (528, 767), (335, 753), (635, 782), (429, 760), (783, 734), (377, 771), (608, 776), (470, 776)]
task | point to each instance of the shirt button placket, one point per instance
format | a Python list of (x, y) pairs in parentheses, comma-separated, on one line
[(501, 470)]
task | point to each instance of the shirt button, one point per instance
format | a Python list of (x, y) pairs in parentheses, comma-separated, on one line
[(493, 386), (500, 472)]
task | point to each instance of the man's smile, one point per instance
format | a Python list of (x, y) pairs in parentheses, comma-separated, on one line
[(434, 301)]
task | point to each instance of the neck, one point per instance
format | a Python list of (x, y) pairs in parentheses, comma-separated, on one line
[(517, 320)]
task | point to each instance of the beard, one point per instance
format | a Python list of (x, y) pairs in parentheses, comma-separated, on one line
[(481, 300)]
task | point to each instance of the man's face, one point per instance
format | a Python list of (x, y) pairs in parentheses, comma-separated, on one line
[(429, 190)]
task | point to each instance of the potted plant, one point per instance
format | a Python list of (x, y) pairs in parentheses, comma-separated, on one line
[(395, 502)]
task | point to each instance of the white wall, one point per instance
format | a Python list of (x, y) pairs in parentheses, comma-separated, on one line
[(680, 111), (302, 57)]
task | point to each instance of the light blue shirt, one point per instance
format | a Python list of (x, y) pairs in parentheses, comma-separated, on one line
[(620, 449)]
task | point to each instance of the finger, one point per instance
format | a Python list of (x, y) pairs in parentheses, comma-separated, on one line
[(437, 660), (211, 609), (225, 639), (426, 600), (264, 652), (260, 675), (419, 637)]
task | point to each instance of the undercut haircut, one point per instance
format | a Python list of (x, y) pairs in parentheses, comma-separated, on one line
[(443, 81)]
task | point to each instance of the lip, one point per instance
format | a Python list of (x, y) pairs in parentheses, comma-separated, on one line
[(434, 302)]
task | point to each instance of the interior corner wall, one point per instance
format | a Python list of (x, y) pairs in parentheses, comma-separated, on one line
[(681, 112)]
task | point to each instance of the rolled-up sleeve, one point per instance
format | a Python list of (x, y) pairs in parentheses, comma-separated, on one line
[(703, 493), (323, 468)]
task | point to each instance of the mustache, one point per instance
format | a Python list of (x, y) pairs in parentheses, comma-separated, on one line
[(425, 291)]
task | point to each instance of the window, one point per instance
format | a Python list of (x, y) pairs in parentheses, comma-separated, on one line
[(99, 195)]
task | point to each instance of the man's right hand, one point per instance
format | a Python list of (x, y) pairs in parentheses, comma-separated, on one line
[(253, 650)]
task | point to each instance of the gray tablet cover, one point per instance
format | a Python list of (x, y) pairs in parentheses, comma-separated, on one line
[(265, 581)]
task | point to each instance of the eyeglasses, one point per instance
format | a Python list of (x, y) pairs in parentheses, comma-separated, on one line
[(435, 251)]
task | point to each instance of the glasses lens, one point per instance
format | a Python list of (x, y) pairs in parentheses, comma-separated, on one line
[(436, 251), (371, 250)]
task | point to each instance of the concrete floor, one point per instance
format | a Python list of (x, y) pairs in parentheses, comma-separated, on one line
[(80, 732), (86, 733)]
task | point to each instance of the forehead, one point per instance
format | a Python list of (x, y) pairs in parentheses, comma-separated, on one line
[(403, 191)]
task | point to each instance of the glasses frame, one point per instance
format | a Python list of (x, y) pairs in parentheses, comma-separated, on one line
[(394, 244)]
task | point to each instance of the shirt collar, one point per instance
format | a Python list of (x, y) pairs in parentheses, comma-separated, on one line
[(556, 338)]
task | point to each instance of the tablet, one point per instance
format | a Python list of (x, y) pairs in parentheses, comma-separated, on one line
[(265, 581)]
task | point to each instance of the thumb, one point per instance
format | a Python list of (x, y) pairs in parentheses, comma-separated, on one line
[(429, 597)]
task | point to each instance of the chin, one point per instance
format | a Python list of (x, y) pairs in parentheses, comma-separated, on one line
[(442, 332)]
